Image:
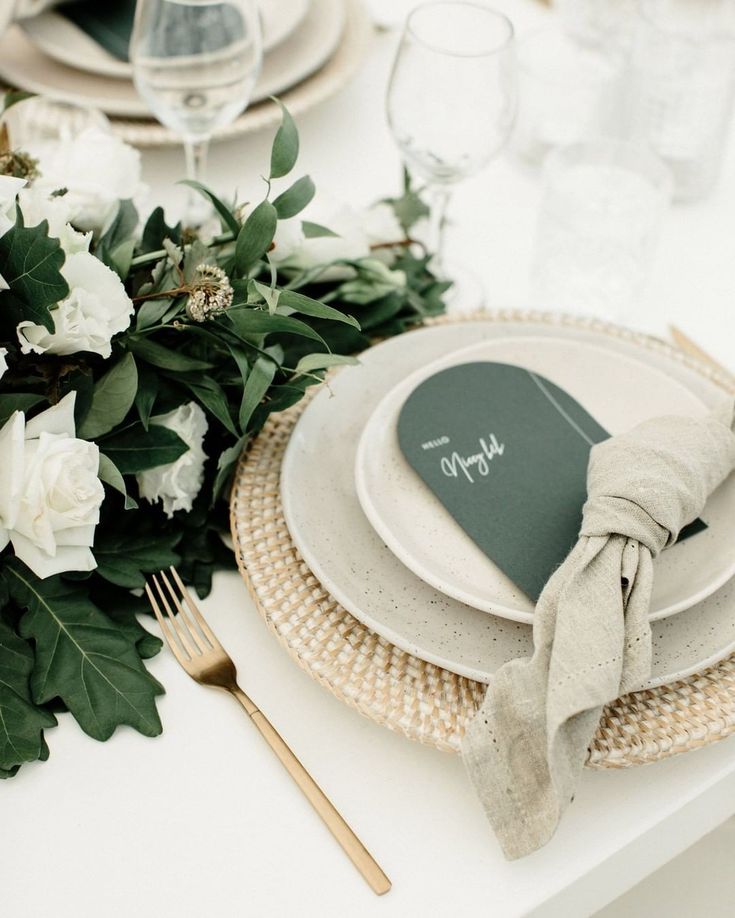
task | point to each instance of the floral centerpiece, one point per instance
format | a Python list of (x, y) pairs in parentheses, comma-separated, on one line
[(136, 362)]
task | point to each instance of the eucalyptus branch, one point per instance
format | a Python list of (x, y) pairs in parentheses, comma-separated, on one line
[(149, 258)]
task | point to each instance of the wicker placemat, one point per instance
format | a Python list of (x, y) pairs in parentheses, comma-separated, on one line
[(420, 700)]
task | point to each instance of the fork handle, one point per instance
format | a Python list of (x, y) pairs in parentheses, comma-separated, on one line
[(351, 844)]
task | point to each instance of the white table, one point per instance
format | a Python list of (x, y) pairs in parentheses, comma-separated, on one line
[(202, 821)]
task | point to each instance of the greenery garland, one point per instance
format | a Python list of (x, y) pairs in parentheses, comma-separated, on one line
[(217, 324)]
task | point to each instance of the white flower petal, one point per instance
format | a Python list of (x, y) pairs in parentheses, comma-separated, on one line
[(56, 420), (50, 492), (97, 170), (96, 309), (46, 565), (177, 484), (11, 462)]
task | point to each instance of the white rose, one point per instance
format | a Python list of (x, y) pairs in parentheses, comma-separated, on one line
[(3, 361), (177, 483), (96, 308), (97, 169), (350, 243), (50, 494), (9, 188), (37, 204), (356, 232), (288, 239), (382, 225)]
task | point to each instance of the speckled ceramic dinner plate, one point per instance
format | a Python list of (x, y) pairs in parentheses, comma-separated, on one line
[(619, 391), (346, 554)]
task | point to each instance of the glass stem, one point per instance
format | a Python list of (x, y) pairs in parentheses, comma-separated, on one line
[(196, 170), (439, 196)]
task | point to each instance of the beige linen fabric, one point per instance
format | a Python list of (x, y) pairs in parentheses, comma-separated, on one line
[(527, 745)]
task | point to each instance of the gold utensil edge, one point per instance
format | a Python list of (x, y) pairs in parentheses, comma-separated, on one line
[(685, 343)]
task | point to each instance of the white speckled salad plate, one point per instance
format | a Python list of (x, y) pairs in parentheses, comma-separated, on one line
[(350, 559), (620, 392)]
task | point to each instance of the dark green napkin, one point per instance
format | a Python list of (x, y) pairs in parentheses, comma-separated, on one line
[(108, 22)]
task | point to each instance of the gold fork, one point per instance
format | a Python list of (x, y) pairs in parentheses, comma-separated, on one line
[(203, 657)]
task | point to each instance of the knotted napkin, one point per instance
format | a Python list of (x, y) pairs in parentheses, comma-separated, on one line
[(526, 747)]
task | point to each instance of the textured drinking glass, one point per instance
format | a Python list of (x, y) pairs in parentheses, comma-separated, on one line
[(679, 89), (451, 98), (195, 63), (567, 92), (598, 227)]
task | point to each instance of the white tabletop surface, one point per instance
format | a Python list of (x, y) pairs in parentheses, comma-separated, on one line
[(202, 820)]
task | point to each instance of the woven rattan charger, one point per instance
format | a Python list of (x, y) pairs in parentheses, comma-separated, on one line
[(420, 700)]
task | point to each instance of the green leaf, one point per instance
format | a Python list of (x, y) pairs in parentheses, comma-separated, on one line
[(307, 306), (151, 312), (156, 230), (165, 358), (122, 607), (112, 398), (21, 721), (30, 263), (260, 378), (145, 397), (247, 321), (135, 449), (312, 362), (226, 464), (14, 97), (271, 295), (285, 150), (229, 221), (409, 209), (256, 236), (116, 247), (123, 559), (294, 199), (83, 658), (213, 398), (110, 474), (17, 402), (315, 230)]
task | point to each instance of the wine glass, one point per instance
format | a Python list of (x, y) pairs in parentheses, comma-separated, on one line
[(195, 62), (451, 105)]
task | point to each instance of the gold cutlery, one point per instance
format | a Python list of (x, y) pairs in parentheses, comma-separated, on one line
[(685, 343), (199, 652)]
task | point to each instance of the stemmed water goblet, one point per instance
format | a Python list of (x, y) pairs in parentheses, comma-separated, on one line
[(195, 62), (451, 104)]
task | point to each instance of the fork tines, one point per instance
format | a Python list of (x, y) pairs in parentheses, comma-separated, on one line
[(187, 633)]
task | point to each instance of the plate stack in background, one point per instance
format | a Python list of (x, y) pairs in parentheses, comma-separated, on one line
[(311, 48)]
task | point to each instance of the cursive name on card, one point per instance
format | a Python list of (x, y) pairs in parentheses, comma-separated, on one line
[(475, 463)]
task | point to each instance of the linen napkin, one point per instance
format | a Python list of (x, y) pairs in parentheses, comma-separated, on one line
[(526, 747)]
